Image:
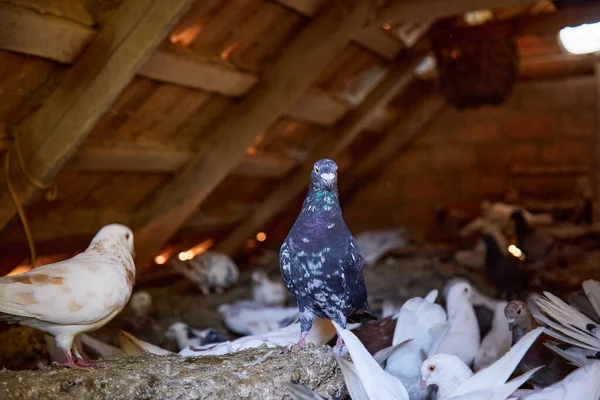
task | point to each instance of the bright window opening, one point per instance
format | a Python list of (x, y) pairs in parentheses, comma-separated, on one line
[(581, 39)]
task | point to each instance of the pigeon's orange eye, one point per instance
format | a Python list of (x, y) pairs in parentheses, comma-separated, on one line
[(127, 236), (431, 368)]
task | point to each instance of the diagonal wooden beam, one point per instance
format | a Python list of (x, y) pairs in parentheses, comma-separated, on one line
[(137, 158), (395, 140), (398, 77), (282, 85), (50, 136)]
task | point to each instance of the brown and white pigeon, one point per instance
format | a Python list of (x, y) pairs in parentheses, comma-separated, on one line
[(74, 296)]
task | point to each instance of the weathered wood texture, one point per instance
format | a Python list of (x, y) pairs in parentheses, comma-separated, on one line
[(399, 76), (50, 136), (283, 84)]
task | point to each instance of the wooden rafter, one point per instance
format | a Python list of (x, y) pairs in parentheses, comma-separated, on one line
[(50, 136), (398, 77), (395, 140), (282, 85), (138, 158)]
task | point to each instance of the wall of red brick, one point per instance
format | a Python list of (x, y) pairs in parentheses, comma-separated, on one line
[(466, 156)]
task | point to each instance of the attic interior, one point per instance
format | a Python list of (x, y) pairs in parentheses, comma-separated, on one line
[(465, 136)]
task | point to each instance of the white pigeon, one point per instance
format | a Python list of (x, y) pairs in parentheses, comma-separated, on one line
[(374, 244), (74, 296), (364, 377), (424, 322), (455, 380), (497, 341), (583, 383), (580, 333), (186, 336), (266, 291), (464, 336), (501, 212), (140, 304), (252, 318)]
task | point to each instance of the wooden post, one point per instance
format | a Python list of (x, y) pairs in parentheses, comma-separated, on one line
[(50, 136), (339, 138), (282, 85)]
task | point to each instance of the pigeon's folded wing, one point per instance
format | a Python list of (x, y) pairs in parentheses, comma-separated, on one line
[(63, 294)]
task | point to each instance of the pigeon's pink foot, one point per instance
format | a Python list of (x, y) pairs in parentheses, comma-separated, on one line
[(83, 363), (339, 346), (70, 363)]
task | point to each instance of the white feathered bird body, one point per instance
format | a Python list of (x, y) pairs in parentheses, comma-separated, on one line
[(425, 323), (77, 295)]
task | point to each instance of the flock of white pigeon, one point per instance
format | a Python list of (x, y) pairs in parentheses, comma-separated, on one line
[(432, 347)]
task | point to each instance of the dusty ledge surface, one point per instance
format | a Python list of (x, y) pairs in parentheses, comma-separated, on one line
[(236, 376)]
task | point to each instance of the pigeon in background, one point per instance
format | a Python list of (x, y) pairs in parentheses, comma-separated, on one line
[(252, 318), (454, 379), (266, 291), (520, 321), (74, 296), (536, 246), (424, 322), (209, 270), (375, 244), (463, 338), (320, 261), (497, 342), (502, 270), (186, 336)]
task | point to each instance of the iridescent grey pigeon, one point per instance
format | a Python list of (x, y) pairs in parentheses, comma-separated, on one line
[(320, 261)]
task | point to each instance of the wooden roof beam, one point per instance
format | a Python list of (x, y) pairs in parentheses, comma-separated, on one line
[(50, 136), (138, 158), (398, 78), (283, 83), (394, 141)]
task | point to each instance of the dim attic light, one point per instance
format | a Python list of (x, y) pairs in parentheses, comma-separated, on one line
[(261, 236), (160, 260)]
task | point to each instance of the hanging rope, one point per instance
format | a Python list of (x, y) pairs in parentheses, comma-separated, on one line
[(51, 191)]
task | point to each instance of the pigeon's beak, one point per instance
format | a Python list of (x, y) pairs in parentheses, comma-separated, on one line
[(511, 323), (423, 385), (328, 178)]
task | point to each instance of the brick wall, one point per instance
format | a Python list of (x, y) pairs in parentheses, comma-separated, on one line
[(466, 156)]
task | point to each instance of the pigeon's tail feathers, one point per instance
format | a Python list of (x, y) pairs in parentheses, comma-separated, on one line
[(501, 370), (432, 296), (504, 391), (301, 392), (361, 315), (592, 291), (583, 383), (567, 321), (580, 301), (577, 356), (353, 383), (133, 346)]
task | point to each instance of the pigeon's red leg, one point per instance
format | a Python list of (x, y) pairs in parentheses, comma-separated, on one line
[(83, 363), (302, 341)]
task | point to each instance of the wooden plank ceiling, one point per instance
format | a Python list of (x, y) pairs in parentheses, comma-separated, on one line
[(204, 120)]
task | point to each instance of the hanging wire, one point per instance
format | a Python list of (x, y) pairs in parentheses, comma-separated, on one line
[(51, 191)]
